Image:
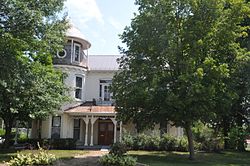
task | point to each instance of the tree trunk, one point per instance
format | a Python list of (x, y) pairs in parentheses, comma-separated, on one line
[(8, 126), (190, 141), (241, 142), (226, 128)]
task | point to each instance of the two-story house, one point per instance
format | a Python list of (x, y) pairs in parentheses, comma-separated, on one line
[(91, 117)]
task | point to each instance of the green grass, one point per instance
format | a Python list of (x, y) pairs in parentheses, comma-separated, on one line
[(5, 155), (181, 158)]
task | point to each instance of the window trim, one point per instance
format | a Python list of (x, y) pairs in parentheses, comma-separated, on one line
[(74, 52)]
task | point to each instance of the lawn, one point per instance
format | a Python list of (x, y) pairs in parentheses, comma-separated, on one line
[(181, 158), (5, 155)]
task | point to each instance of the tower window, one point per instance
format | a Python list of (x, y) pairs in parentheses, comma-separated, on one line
[(77, 51)]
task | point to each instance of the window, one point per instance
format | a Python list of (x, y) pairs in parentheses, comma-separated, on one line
[(61, 54), (77, 50), (78, 88), (104, 90), (76, 129), (56, 127)]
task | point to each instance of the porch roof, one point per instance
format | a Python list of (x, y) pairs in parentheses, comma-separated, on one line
[(91, 109)]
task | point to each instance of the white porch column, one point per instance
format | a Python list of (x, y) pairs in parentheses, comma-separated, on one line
[(92, 130), (120, 132), (86, 120), (115, 128)]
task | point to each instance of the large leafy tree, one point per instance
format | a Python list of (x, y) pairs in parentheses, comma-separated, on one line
[(30, 33), (179, 59)]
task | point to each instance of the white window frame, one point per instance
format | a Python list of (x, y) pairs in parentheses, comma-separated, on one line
[(74, 57), (81, 88)]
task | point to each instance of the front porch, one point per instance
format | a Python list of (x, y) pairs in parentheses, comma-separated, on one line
[(89, 125)]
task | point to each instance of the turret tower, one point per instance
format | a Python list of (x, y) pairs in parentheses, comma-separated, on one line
[(73, 61)]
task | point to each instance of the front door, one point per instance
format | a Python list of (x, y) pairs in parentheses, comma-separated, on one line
[(105, 133)]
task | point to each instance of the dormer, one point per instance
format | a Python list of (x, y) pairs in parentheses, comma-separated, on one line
[(75, 51)]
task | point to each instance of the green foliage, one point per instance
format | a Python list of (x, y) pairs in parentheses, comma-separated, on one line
[(2, 132), (236, 135), (207, 138), (169, 143), (31, 33), (146, 142), (118, 149), (40, 158), (179, 62), (63, 143), (115, 160)]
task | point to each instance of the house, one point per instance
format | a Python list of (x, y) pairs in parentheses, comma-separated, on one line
[(91, 117)]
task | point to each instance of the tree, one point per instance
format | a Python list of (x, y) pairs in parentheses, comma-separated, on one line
[(179, 58), (31, 32)]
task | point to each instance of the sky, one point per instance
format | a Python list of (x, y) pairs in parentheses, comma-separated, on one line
[(101, 21)]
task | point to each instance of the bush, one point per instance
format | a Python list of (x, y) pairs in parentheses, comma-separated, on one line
[(206, 138), (41, 158), (146, 142), (118, 149), (169, 143), (2, 132), (128, 140), (236, 136), (63, 143), (182, 144), (115, 160)]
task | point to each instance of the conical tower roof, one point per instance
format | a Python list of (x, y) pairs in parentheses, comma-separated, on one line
[(74, 33)]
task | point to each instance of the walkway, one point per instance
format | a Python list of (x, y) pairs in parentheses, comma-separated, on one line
[(90, 159)]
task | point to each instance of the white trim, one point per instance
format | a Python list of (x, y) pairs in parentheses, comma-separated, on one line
[(92, 120), (115, 127), (71, 53), (120, 138), (61, 57)]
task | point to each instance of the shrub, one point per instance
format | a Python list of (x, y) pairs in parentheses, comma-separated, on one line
[(118, 149), (115, 160), (128, 140), (65, 143), (207, 139), (182, 144), (2, 132), (169, 143), (41, 158)]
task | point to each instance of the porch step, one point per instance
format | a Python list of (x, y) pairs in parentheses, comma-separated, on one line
[(105, 148)]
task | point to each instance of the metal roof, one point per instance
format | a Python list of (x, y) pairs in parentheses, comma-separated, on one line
[(103, 62), (91, 109)]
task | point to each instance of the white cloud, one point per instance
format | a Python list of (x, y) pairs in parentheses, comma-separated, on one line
[(116, 24), (83, 11)]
